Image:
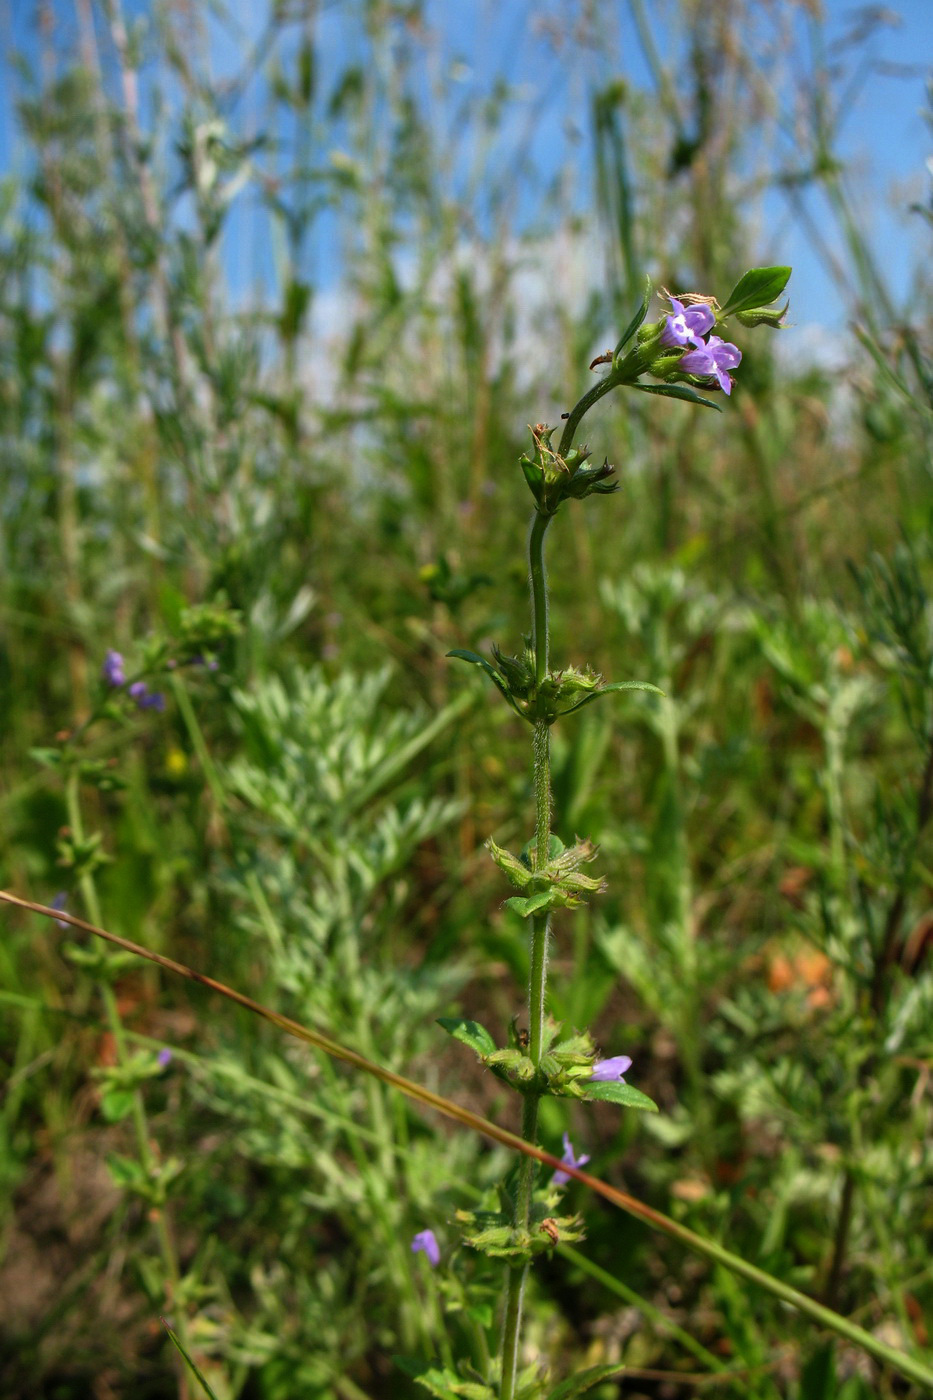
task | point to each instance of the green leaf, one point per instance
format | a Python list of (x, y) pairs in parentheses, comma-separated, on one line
[(630, 685), (482, 1313), (758, 287), (49, 758), (116, 1104), (526, 907), (613, 685), (469, 1033), (474, 659), (192, 1367), (676, 391), (622, 1094), (584, 1381), (818, 1377), (636, 320), (446, 1385), (126, 1173)]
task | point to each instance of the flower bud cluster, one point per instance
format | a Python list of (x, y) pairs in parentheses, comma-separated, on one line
[(553, 478), (559, 884)]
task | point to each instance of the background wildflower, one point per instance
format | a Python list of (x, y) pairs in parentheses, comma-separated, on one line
[(112, 669), (561, 1178), (425, 1242)]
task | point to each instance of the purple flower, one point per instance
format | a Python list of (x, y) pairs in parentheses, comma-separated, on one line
[(687, 324), (58, 902), (615, 1068), (716, 357), (164, 1058), (112, 669), (561, 1178), (145, 698), (425, 1242)]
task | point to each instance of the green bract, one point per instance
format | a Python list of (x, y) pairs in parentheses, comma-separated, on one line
[(553, 478), (559, 693)]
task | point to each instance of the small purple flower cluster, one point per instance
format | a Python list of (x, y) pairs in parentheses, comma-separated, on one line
[(145, 698), (687, 325), (114, 674)]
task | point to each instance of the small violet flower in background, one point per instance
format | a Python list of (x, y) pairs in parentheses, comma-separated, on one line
[(112, 669), (59, 901), (146, 699), (561, 1178), (425, 1242), (716, 357), (164, 1058), (687, 325), (615, 1068)]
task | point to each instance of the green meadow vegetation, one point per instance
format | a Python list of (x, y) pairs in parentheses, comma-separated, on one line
[(273, 333)]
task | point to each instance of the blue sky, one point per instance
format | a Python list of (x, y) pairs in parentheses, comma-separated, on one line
[(882, 134)]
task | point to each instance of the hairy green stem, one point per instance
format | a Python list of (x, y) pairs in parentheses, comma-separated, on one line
[(539, 526), (537, 977), (576, 414), (512, 1328)]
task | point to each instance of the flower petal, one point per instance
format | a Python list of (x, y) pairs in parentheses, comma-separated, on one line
[(613, 1068)]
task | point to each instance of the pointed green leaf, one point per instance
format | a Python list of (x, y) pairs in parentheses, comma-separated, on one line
[(445, 1384), (526, 907), (758, 287), (126, 1173), (468, 1033), (636, 320), (622, 1094), (534, 477), (192, 1367), (630, 685), (584, 1381), (475, 659), (772, 316), (676, 391), (613, 685)]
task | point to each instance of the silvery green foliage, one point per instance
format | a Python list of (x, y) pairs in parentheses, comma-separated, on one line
[(329, 820), (663, 617)]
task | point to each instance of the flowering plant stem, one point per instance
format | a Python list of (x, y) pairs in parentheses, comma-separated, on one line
[(537, 976)]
